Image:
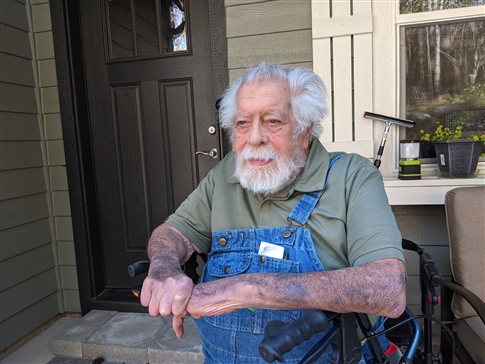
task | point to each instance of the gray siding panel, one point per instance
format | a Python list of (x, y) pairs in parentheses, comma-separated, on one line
[(21, 154), (32, 262), (19, 70), (17, 98), (21, 182), (18, 325), (277, 31), (284, 48), (230, 3), (13, 13), (28, 282), (269, 17), (21, 239), (19, 126), (27, 293), (23, 210), (234, 74), (15, 41)]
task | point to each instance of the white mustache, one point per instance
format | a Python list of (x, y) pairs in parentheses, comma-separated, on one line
[(265, 154)]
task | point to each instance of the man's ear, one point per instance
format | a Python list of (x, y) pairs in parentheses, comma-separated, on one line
[(307, 136)]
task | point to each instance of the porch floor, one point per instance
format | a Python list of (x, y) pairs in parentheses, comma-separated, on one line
[(114, 337)]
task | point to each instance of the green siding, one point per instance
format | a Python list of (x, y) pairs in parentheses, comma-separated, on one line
[(19, 126), (31, 318), (272, 31), (20, 239), (28, 274)]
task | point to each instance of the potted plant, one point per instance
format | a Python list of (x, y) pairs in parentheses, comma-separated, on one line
[(456, 153)]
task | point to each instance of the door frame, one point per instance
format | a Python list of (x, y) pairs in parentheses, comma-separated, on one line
[(77, 143)]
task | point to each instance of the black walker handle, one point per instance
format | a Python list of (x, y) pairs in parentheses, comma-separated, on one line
[(138, 268), (280, 337)]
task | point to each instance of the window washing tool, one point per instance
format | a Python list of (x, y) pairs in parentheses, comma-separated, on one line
[(389, 120)]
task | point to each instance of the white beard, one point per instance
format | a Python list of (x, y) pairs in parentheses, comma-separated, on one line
[(266, 180)]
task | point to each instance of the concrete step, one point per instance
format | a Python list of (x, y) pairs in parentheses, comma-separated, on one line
[(130, 338)]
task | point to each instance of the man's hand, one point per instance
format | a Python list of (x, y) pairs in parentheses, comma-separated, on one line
[(166, 292)]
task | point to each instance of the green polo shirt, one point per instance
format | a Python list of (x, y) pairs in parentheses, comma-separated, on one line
[(352, 223)]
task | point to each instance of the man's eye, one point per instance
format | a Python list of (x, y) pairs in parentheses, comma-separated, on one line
[(241, 123), (273, 121)]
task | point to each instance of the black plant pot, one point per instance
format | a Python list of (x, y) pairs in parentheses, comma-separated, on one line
[(457, 158)]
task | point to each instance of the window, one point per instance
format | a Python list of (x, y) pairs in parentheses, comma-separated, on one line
[(445, 75), (146, 28), (443, 69)]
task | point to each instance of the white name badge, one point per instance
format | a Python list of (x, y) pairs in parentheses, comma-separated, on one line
[(271, 250)]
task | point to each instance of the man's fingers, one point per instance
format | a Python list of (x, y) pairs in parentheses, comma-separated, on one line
[(146, 293), (178, 326), (179, 304)]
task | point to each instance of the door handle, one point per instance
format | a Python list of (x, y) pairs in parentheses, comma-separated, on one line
[(212, 153)]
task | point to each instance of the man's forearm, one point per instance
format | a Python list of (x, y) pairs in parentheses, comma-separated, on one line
[(376, 288), (170, 245)]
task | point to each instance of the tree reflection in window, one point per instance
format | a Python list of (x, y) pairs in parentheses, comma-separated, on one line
[(146, 28), (177, 18), (445, 75), (419, 6)]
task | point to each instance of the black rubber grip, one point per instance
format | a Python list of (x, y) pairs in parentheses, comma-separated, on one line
[(138, 268), (280, 337), (431, 271)]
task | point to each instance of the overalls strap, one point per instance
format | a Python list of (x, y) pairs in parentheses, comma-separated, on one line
[(303, 209)]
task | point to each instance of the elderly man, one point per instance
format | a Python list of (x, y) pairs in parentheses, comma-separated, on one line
[(288, 226)]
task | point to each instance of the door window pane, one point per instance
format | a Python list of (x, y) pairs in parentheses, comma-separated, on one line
[(419, 6), (179, 37), (445, 76), (146, 28), (120, 29)]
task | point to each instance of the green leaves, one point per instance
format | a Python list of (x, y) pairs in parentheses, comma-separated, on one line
[(442, 133)]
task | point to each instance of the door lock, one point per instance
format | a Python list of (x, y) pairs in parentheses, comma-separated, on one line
[(213, 153)]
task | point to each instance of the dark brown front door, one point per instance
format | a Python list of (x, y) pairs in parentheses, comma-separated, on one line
[(151, 109)]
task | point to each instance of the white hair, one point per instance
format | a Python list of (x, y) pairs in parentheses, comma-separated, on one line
[(307, 96)]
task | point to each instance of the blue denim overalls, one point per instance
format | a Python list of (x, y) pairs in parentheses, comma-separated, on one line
[(234, 338)]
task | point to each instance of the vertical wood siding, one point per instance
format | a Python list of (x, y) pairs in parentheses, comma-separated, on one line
[(342, 41)]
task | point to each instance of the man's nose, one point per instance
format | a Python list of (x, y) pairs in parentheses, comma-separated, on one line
[(258, 134)]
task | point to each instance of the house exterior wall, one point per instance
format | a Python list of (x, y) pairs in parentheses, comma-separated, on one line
[(37, 262), (37, 270)]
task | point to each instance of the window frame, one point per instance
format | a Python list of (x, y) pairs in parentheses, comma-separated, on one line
[(422, 19)]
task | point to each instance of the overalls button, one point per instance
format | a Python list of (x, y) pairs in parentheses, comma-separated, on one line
[(222, 241), (262, 258), (226, 270), (286, 234)]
